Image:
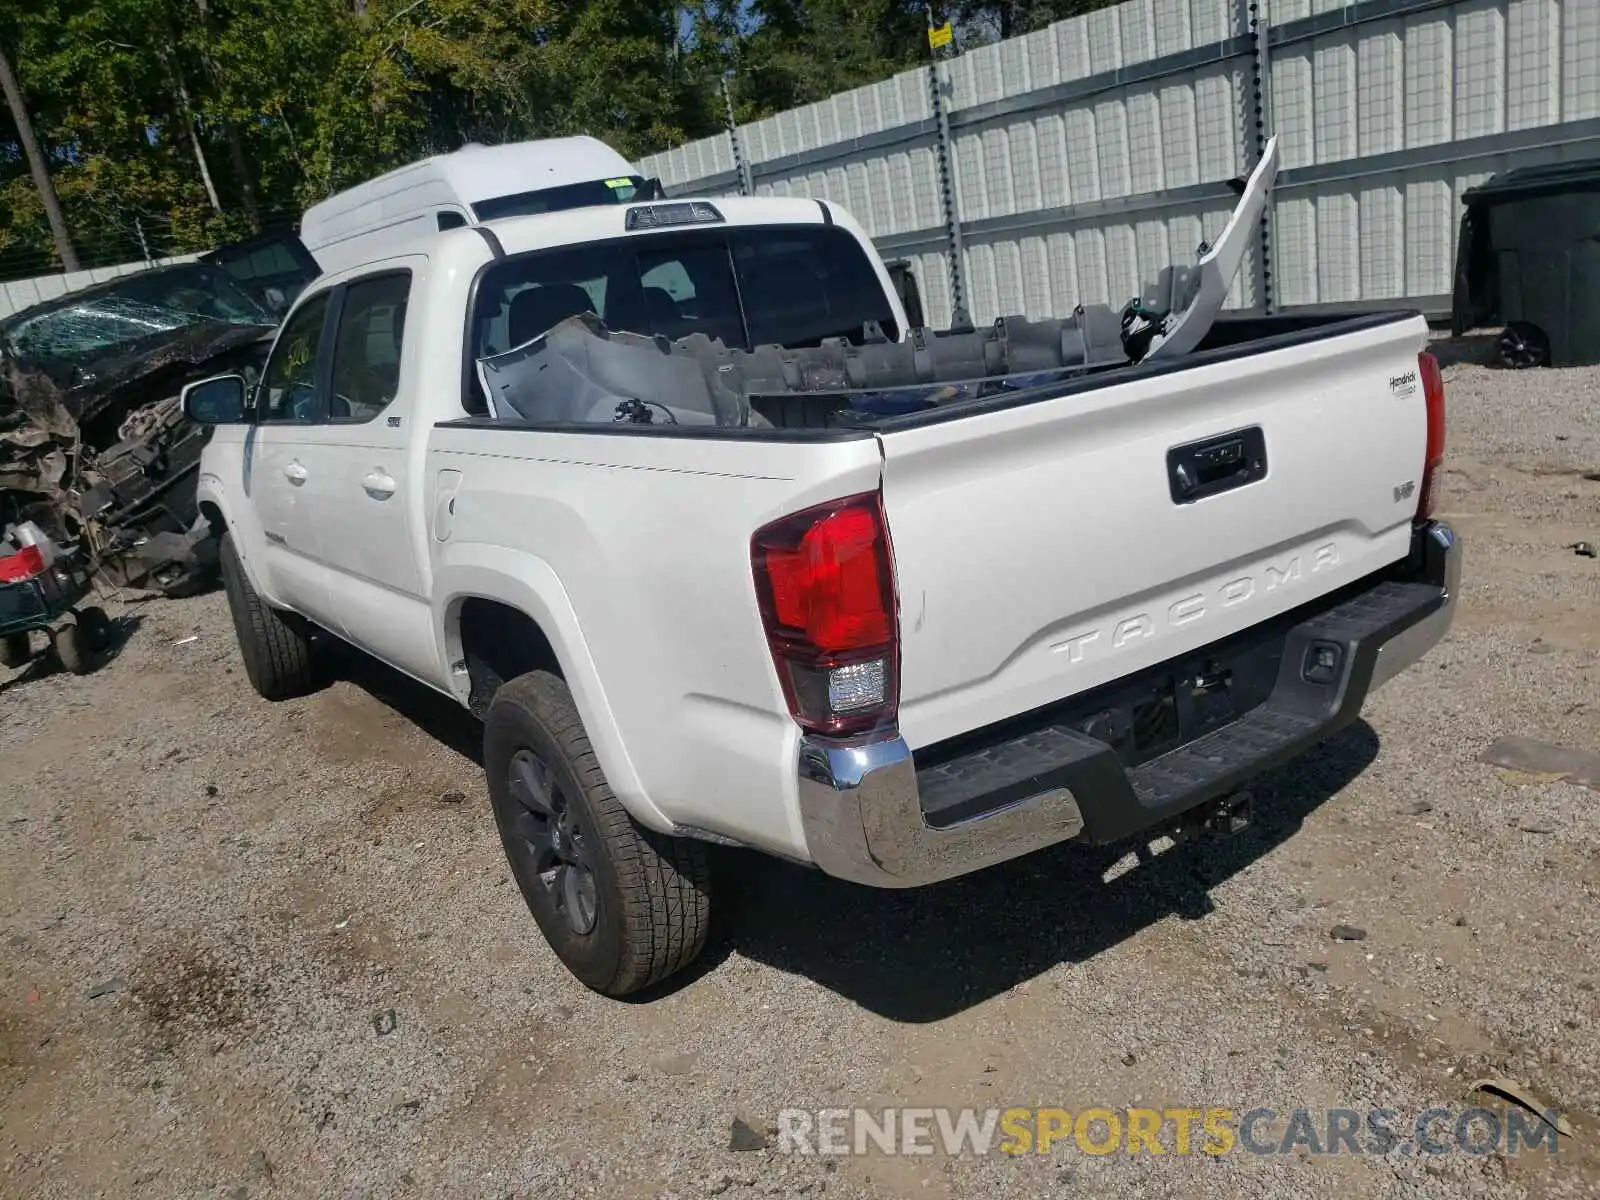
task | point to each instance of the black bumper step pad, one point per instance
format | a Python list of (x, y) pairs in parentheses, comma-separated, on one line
[(1117, 802)]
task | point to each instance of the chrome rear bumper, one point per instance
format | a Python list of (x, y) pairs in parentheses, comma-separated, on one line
[(862, 812), (863, 819), (1440, 551)]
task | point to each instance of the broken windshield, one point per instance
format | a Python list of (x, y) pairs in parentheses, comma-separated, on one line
[(128, 310)]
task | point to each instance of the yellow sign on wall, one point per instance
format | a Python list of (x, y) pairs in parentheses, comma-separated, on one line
[(941, 35)]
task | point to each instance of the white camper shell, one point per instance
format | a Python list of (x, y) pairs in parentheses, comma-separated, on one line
[(470, 185)]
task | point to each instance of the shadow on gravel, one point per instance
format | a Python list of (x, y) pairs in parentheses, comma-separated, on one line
[(924, 954), (440, 717), (1474, 348)]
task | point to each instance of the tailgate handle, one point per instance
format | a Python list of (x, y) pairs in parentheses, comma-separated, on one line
[(1217, 464)]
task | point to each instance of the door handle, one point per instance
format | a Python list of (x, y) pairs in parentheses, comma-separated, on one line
[(295, 473), (378, 484)]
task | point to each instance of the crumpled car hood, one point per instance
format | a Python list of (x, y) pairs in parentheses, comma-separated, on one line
[(84, 387)]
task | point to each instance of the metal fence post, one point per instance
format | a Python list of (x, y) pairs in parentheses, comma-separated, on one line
[(741, 167), (947, 197), (1260, 118)]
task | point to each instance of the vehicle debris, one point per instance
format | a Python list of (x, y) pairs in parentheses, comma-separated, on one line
[(94, 446), (743, 1137), (40, 584), (1524, 1098), (568, 365)]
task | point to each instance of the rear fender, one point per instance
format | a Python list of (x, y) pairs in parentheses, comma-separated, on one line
[(529, 585)]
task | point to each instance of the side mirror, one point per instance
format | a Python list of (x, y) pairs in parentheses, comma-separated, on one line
[(215, 401)]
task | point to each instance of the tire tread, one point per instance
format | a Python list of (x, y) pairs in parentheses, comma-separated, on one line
[(278, 657), (664, 881), (75, 649)]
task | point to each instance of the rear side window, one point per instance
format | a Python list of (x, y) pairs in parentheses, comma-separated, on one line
[(366, 349)]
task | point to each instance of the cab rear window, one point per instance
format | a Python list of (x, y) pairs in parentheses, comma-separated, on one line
[(752, 286)]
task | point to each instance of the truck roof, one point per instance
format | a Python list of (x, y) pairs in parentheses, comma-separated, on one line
[(567, 227), (464, 248)]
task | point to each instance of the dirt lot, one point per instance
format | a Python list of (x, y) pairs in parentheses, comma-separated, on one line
[(272, 950)]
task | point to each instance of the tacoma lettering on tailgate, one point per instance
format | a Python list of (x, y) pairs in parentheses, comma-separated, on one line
[(1184, 612)]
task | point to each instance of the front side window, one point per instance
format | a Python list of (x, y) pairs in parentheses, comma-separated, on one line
[(288, 389), (366, 349)]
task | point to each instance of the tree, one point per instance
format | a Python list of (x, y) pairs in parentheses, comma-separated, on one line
[(998, 19), (37, 165), (170, 125), (785, 53)]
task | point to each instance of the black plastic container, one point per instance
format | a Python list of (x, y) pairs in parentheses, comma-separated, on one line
[(1529, 259)]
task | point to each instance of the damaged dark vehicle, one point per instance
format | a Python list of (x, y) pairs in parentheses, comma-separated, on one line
[(94, 446)]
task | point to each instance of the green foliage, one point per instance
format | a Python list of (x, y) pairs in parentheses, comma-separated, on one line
[(801, 52), (172, 124), (981, 21)]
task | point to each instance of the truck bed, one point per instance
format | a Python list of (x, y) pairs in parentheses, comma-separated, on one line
[(957, 394), (581, 373)]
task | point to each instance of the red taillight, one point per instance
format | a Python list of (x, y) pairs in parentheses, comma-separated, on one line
[(826, 590), (1433, 396), (24, 564)]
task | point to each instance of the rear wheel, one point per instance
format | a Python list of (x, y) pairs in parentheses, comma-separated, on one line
[(621, 906), (96, 626), (75, 649), (1522, 345), (15, 650), (276, 647)]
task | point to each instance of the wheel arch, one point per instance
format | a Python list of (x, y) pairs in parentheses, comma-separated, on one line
[(499, 610), (211, 506), (211, 510)]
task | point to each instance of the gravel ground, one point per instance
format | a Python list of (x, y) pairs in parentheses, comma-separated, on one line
[(272, 950)]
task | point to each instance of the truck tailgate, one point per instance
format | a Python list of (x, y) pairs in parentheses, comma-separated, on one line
[(1041, 547)]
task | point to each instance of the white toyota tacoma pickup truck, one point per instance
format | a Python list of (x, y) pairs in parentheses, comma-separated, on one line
[(721, 553)]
